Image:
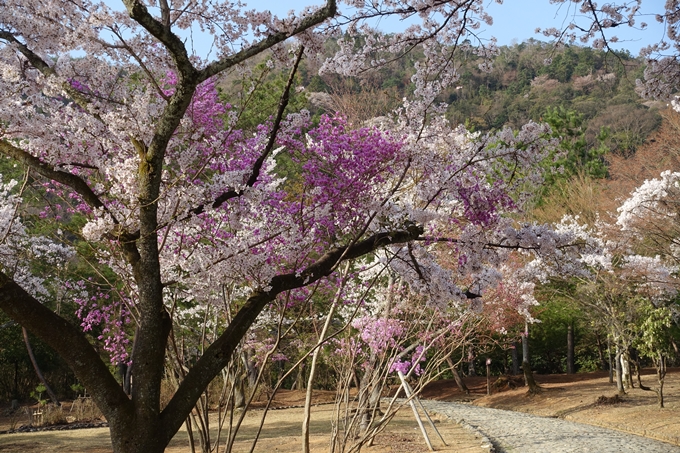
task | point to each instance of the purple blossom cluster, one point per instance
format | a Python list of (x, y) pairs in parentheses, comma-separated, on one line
[(342, 170), (405, 366), (384, 337), (379, 334), (484, 203), (107, 314)]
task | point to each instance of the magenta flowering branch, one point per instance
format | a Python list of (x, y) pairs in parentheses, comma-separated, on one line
[(79, 185), (101, 310), (68, 179)]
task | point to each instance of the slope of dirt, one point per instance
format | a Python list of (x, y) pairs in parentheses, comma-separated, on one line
[(575, 398)]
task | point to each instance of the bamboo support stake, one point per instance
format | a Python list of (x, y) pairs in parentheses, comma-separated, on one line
[(420, 403)]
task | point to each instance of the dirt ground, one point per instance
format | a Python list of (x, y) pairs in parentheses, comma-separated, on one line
[(281, 432), (572, 397)]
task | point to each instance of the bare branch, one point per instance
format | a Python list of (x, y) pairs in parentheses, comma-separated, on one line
[(45, 69), (162, 32), (76, 183), (319, 16), (62, 177)]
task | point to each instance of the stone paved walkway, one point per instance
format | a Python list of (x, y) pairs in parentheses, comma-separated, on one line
[(517, 432)]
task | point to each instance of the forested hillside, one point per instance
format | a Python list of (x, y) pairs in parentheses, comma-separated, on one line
[(587, 96), (526, 82)]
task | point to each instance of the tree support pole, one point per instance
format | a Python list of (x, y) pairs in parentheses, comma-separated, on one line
[(420, 403), (488, 376), (409, 395)]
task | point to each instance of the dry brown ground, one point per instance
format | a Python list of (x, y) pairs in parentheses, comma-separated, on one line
[(281, 433), (568, 396)]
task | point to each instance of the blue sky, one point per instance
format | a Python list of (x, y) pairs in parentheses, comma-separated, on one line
[(514, 21), (517, 20)]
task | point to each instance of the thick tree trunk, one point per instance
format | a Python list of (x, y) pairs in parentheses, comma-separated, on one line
[(571, 369), (366, 385), (525, 355), (239, 397), (600, 352), (661, 375), (660, 364), (625, 370), (525, 344), (299, 382), (130, 437), (529, 380), (471, 362), (611, 364), (16, 380), (251, 368), (638, 373)]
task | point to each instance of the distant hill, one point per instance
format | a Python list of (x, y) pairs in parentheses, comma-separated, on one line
[(527, 80)]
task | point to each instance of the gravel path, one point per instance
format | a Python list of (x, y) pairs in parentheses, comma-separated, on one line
[(517, 432)]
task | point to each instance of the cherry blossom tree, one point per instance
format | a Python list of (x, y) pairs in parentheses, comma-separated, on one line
[(116, 114), (651, 212), (628, 293)]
